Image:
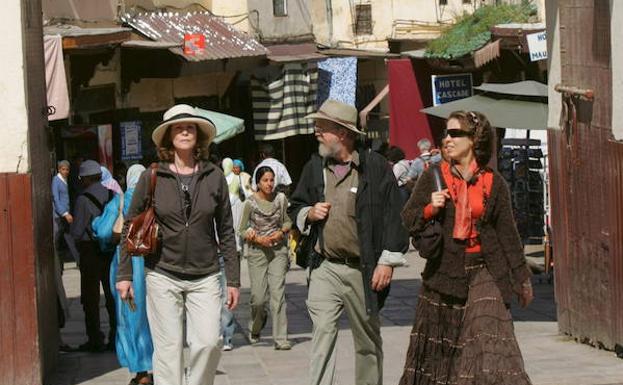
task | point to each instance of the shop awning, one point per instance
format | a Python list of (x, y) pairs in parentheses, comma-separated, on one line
[(222, 41), (502, 112), (359, 53), (77, 37), (227, 126), (284, 53), (529, 88)]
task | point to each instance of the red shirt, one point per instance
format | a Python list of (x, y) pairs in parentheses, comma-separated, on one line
[(476, 199)]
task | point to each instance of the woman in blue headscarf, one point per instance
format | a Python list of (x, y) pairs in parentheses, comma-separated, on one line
[(133, 342), (244, 178)]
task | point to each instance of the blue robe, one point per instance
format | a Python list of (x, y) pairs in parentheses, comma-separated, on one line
[(133, 341)]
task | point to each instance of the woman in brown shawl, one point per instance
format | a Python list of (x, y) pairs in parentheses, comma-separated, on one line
[(463, 332)]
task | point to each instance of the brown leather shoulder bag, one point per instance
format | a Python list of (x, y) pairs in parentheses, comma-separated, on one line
[(142, 234)]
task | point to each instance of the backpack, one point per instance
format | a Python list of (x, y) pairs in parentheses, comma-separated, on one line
[(102, 225)]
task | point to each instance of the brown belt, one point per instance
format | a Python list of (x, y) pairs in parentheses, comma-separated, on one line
[(345, 261)]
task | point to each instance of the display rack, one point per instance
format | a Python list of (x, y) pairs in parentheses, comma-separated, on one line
[(522, 165)]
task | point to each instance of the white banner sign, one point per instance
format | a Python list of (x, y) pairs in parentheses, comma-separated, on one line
[(537, 45)]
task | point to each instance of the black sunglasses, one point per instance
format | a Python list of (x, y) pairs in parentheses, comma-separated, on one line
[(456, 133)]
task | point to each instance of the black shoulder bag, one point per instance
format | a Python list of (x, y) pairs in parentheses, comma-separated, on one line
[(429, 241)]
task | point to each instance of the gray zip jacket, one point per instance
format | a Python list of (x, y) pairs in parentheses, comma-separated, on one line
[(187, 247)]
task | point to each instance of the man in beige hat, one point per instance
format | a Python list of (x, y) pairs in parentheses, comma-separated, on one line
[(348, 203)]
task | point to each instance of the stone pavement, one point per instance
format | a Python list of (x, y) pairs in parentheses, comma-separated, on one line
[(551, 359)]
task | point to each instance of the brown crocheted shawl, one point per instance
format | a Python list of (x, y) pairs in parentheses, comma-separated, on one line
[(502, 250)]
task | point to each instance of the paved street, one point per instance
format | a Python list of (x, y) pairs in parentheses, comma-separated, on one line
[(550, 359)]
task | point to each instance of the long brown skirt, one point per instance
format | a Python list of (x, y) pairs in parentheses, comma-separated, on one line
[(471, 342)]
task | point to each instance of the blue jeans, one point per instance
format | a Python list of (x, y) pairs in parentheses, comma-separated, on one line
[(228, 326)]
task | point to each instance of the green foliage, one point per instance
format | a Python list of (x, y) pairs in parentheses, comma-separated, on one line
[(472, 31)]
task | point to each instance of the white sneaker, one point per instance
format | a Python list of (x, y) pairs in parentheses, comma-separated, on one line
[(228, 347)]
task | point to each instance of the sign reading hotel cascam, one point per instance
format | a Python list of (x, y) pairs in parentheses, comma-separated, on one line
[(537, 45), (447, 88)]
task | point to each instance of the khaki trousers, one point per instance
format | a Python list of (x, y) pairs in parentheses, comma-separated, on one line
[(167, 301), (333, 288), (267, 272)]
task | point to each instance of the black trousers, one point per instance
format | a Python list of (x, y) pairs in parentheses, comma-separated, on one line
[(95, 269)]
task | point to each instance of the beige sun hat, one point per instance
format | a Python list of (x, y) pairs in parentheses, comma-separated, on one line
[(183, 113), (341, 113)]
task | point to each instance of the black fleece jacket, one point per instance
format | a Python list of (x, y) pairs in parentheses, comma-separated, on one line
[(377, 209), (188, 248)]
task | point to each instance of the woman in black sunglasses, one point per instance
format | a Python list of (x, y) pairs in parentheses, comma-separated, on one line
[(463, 332)]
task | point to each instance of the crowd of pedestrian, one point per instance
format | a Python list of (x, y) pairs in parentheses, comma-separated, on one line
[(353, 210)]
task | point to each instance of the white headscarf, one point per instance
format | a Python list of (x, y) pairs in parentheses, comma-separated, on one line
[(228, 166), (133, 175)]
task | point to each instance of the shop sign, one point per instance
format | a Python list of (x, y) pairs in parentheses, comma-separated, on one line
[(448, 88), (194, 43), (131, 140), (537, 45)]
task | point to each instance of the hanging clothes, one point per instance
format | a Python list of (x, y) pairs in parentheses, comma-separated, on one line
[(337, 80), (280, 106), (407, 125), (55, 77)]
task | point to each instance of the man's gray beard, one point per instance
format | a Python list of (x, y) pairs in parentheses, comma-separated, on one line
[(326, 151)]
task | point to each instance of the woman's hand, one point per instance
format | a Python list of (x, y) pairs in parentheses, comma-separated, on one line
[(527, 295), (276, 237), (125, 290), (250, 235), (263, 241), (233, 295), (438, 200)]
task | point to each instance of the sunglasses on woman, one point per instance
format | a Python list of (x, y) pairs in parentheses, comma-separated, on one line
[(456, 133)]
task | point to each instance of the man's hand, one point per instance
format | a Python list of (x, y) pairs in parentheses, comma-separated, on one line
[(125, 290), (68, 218), (233, 295), (319, 212), (382, 277)]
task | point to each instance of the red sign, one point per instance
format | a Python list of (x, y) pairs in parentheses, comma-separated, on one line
[(194, 43)]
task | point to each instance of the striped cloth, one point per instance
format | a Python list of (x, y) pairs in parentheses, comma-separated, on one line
[(280, 106)]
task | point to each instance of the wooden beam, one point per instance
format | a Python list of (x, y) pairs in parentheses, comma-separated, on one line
[(90, 41)]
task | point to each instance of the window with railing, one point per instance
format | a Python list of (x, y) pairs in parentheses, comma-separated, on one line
[(280, 7), (363, 19)]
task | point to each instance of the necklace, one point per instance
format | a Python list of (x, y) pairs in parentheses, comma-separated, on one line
[(185, 180), (185, 183)]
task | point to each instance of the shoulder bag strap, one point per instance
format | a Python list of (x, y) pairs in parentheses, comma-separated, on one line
[(94, 200), (152, 184)]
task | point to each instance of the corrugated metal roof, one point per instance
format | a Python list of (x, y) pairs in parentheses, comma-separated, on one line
[(222, 41)]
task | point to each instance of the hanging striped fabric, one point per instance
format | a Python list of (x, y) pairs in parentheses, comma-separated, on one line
[(280, 107)]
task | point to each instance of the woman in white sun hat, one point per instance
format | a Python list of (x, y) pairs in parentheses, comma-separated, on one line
[(192, 208)]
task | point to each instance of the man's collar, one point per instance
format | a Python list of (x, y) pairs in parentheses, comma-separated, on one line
[(61, 178), (353, 160)]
